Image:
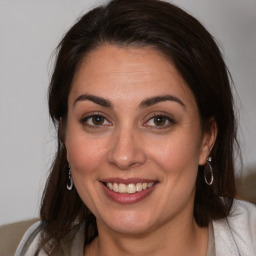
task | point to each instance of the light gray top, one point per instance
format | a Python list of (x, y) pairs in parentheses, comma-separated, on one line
[(211, 242)]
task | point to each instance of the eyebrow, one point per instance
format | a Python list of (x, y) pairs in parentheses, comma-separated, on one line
[(98, 100), (157, 99), (145, 103)]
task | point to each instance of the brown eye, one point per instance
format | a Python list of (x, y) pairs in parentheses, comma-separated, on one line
[(159, 120), (97, 120)]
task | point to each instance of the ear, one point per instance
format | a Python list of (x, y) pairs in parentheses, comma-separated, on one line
[(208, 140)]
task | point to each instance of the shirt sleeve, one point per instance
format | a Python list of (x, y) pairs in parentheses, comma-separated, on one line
[(236, 234), (29, 242)]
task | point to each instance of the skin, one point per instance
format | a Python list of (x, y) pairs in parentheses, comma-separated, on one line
[(126, 141)]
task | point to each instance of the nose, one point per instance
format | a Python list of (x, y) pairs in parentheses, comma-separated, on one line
[(126, 150)]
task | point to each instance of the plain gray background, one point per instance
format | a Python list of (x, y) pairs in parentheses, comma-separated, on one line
[(29, 32)]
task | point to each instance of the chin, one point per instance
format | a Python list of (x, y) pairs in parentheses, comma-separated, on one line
[(127, 223)]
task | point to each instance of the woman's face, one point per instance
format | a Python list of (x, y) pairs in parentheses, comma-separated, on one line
[(134, 139)]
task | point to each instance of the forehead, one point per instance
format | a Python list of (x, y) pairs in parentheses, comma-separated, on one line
[(124, 72)]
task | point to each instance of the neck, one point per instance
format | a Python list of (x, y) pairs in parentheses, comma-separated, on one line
[(178, 238)]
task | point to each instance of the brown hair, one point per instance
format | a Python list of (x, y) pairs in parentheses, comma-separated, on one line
[(141, 23)]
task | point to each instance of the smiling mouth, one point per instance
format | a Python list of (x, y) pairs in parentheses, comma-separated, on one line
[(131, 188)]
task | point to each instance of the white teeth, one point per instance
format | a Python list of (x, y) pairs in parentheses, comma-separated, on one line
[(129, 188), (150, 184), (138, 187), (115, 187), (144, 186), (122, 188), (110, 186)]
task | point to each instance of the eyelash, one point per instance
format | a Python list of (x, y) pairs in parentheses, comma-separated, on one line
[(85, 121), (88, 121), (168, 121)]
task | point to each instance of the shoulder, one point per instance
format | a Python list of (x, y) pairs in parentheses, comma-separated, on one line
[(236, 234), (29, 242), (242, 219), (71, 244), (243, 207)]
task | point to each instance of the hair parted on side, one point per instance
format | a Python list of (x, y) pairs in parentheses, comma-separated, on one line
[(193, 51)]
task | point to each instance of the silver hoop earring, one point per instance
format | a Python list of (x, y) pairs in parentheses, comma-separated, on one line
[(208, 161), (70, 184)]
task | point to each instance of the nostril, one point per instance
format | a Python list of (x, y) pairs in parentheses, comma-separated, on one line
[(125, 153)]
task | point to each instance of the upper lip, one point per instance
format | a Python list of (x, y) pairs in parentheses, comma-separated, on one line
[(127, 181)]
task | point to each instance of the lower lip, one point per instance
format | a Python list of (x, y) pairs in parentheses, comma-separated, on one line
[(126, 198)]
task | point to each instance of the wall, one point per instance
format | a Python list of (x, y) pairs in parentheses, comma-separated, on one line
[(29, 32)]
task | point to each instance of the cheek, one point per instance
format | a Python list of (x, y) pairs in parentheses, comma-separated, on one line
[(84, 154), (176, 151), (177, 157), (86, 158)]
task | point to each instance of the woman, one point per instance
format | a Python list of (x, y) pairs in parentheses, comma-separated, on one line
[(141, 99)]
